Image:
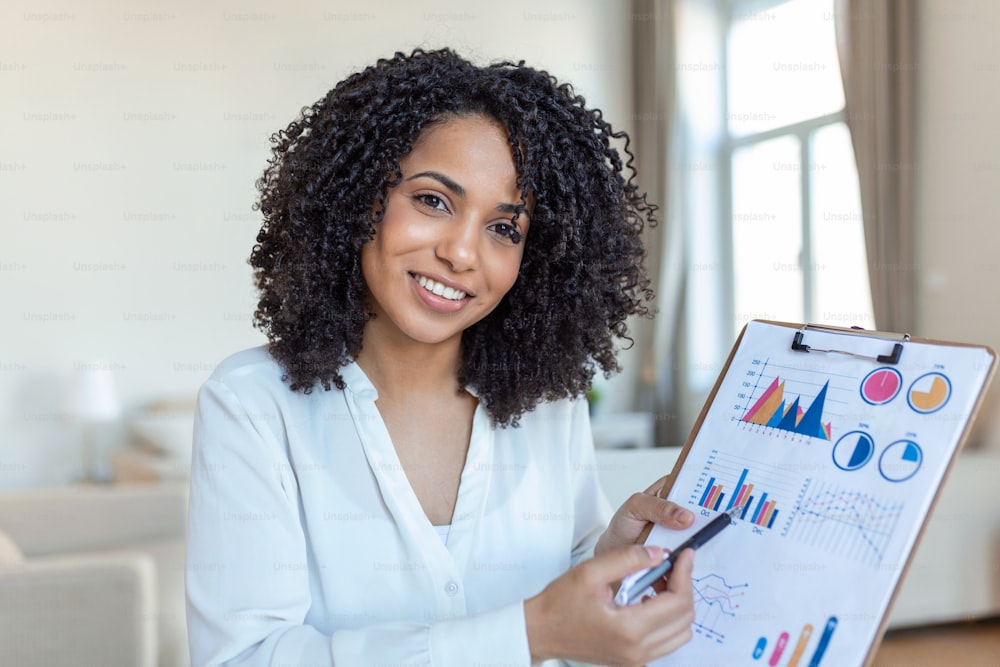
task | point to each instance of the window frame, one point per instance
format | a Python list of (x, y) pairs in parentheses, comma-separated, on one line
[(803, 131)]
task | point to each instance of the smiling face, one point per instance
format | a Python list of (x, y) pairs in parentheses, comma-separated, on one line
[(445, 252)]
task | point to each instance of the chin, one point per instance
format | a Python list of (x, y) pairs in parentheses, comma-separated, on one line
[(431, 335)]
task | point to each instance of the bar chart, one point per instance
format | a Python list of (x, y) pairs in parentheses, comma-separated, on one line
[(729, 481)]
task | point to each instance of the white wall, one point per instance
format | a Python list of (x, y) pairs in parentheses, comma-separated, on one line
[(958, 178), (132, 137)]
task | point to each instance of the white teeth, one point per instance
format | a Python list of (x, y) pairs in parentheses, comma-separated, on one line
[(433, 287)]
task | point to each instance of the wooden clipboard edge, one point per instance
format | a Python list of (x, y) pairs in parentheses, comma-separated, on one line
[(686, 448), (710, 400), (960, 445)]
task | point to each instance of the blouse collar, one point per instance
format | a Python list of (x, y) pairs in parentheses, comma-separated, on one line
[(357, 382), (362, 387)]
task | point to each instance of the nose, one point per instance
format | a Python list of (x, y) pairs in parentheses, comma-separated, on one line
[(457, 246)]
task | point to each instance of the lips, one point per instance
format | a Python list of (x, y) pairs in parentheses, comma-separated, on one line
[(439, 289)]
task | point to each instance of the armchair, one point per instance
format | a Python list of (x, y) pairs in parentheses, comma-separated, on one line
[(93, 576)]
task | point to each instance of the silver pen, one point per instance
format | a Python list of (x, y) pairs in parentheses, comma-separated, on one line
[(711, 529)]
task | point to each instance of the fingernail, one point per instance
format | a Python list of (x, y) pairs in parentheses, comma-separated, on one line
[(655, 553), (683, 515)]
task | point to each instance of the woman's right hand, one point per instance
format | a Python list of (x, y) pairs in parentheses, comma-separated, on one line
[(576, 617)]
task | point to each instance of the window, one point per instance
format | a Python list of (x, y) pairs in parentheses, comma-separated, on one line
[(762, 181), (794, 221)]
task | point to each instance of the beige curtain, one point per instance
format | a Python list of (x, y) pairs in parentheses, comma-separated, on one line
[(654, 109), (877, 43)]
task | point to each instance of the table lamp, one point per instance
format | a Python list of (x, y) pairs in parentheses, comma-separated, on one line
[(92, 400)]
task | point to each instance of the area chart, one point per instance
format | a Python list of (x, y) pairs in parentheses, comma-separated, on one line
[(774, 409)]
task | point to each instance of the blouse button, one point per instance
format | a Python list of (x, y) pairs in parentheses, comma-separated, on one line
[(451, 588)]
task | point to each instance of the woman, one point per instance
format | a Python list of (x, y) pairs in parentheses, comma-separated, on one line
[(405, 474)]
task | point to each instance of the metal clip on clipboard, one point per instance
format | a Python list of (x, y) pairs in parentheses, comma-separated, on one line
[(892, 358)]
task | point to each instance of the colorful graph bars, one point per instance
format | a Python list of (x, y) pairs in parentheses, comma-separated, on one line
[(770, 410), (800, 645), (763, 514)]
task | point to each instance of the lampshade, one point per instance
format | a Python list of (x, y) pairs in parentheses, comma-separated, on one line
[(92, 396)]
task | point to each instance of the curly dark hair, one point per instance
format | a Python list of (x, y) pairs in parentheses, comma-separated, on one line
[(324, 189)]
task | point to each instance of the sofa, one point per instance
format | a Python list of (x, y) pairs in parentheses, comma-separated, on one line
[(93, 575)]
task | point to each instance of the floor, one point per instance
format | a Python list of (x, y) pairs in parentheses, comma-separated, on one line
[(973, 644)]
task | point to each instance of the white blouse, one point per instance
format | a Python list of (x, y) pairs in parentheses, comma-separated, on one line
[(307, 545)]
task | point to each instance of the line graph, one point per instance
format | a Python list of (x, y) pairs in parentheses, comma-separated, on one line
[(715, 602), (850, 524)]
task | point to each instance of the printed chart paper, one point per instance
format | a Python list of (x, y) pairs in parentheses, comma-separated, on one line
[(836, 461)]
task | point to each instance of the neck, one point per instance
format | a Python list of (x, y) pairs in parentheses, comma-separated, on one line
[(400, 370)]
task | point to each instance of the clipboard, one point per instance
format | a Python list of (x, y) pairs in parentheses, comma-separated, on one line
[(836, 442)]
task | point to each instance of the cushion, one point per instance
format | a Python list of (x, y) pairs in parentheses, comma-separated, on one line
[(9, 553)]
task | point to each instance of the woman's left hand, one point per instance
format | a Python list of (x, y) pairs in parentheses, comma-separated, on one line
[(638, 510)]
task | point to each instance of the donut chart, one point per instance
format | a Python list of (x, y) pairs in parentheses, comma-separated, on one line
[(929, 393), (881, 386), (853, 450), (900, 461)]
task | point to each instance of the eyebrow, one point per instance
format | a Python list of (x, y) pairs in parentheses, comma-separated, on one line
[(460, 191)]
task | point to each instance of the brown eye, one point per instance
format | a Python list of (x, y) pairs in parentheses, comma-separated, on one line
[(507, 231), (431, 201)]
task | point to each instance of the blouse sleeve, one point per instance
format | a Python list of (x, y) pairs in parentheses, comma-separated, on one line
[(248, 589), (593, 511)]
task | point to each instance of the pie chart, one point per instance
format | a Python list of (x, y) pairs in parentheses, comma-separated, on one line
[(929, 392), (853, 450), (900, 461), (881, 385)]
